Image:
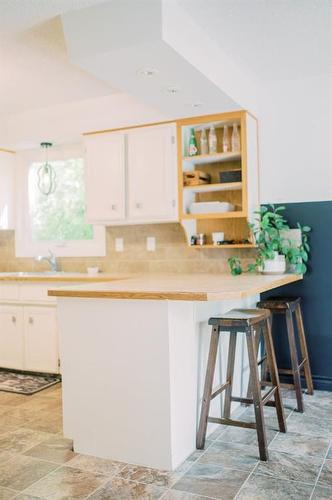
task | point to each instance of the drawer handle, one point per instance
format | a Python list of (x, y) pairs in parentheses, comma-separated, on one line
[(30, 320), (14, 319)]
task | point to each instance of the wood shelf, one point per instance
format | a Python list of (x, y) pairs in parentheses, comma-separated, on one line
[(221, 215), (218, 247), (209, 188), (213, 158)]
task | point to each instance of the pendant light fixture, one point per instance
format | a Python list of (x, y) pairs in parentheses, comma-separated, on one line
[(46, 173)]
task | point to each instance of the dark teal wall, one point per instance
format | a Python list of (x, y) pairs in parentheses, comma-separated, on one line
[(316, 290)]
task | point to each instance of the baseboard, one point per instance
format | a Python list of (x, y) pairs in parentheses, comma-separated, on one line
[(320, 383)]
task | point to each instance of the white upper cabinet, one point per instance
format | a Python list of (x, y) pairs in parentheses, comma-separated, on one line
[(152, 178), (131, 176), (105, 178), (7, 190)]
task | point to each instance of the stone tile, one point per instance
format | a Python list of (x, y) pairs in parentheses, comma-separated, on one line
[(12, 400), (325, 478), (24, 496), (122, 489), (292, 467), (231, 455), (21, 440), (321, 409), (66, 483), (329, 454), (5, 456), (303, 424), (6, 493), (244, 436), (314, 446), (181, 495), (322, 493), (58, 450), (20, 472), (51, 424), (149, 476), (95, 464), (212, 481), (260, 487)]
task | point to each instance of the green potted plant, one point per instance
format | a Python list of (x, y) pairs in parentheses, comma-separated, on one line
[(275, 248)]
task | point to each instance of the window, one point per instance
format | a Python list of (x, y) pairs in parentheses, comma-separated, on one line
[(56, 221)]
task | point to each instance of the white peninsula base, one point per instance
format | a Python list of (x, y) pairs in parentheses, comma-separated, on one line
[(133, 374)]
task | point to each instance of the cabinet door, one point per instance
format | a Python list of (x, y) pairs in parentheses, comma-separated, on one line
[(40, 338), (11, 337), (7, 190), (152, 177), (105, 178)]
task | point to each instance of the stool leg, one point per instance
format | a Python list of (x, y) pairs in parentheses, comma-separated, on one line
[(294, 360), (229, 374), (264, 364), (257, 398), (201, 433), (304, 350), (274, 375), (258, 336)]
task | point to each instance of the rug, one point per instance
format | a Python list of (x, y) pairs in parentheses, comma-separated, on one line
[(26, 383)]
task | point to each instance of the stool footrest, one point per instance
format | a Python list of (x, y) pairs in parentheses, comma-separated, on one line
[(262, 360), (219, 389), (230, 421), (268, 395)]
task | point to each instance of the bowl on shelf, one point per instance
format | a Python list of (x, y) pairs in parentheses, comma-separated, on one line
[(209, 207)]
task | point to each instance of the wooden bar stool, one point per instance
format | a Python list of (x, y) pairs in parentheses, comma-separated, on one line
[(288, 306), (247, 321)]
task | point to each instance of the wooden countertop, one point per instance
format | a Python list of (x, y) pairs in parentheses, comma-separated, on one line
[(201, 287), (61, 277)]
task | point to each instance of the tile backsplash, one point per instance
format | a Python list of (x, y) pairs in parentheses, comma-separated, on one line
[(172, 253)]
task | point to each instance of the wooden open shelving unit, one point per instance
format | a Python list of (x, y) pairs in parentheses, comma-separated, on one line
[(244, 195)]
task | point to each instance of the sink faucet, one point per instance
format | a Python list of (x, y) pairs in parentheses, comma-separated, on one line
[(51, 259)]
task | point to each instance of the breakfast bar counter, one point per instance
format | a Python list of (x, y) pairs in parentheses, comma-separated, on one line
[(133, 357)]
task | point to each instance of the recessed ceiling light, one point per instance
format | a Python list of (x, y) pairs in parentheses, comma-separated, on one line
[(147, 72), (172, 90)]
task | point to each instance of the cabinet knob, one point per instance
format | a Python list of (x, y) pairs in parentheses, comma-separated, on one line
[(30, 320), (113, 207), (138, 205), (14, 319)]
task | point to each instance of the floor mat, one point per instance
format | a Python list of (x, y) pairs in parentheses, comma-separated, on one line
[(26, 383)]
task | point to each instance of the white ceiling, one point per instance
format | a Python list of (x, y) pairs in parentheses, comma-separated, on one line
[(273, 39), (19, 15), (35, 69)]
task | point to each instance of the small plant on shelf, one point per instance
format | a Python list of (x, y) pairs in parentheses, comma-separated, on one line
[(274, 248)]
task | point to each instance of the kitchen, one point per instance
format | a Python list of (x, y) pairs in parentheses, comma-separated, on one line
[(125, 204)]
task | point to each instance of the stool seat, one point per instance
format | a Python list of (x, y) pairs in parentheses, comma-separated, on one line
[(290, 307), (239, 318), (275, 303)]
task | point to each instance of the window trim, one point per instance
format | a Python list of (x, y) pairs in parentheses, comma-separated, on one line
[(25, 246)]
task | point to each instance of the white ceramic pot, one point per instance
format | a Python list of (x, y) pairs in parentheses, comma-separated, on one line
[(277, 265)]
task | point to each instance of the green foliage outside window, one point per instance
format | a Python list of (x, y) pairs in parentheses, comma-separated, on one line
[(60, 215)]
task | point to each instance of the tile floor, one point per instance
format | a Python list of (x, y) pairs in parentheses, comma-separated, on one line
[(36, 462)]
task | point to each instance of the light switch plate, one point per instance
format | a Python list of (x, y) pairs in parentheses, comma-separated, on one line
[(119, 244), (151, 244)]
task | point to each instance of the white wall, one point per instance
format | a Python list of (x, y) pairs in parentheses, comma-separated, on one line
[(295, 140)]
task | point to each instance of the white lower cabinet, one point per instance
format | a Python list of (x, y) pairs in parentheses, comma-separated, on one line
[(40, 339), (11, 337), (29, 338)]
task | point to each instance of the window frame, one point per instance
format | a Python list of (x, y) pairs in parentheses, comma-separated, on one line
[(25, 246)]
